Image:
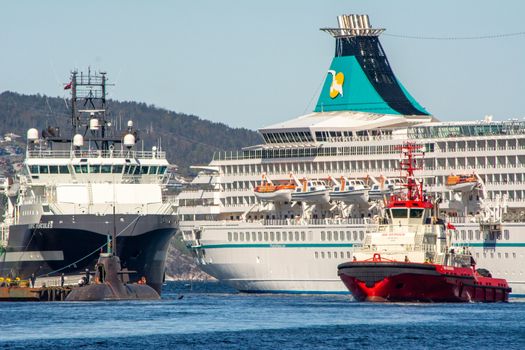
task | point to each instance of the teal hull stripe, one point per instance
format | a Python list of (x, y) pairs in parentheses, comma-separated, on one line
[(489, 245), (277, 245), (295, 292)]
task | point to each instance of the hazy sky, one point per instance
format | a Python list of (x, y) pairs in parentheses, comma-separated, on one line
[(251, 64)]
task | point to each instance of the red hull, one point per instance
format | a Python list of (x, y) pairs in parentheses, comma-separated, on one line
[(415, 282)]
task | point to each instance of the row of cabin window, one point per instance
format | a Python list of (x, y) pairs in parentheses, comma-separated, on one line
[(266, 236), (340, 236), (328, 255), (507, 255), (97, 168), (488, 236)]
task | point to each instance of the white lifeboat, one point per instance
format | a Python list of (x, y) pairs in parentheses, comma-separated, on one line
[(385, 187), (350, 191), (312, 192)]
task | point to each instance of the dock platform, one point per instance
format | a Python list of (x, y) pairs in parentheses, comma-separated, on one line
[(18, 293)]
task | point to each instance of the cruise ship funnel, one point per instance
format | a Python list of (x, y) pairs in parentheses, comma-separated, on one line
[(360, 77)]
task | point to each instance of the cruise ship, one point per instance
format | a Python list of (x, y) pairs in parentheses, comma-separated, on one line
[(280, 216), (78, 187)]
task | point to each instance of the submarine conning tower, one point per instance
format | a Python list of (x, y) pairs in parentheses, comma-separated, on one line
[(360, 77)]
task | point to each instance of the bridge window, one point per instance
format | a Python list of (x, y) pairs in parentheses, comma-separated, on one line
[(44, 169), (63, 169), (162, 170), (94, 169), (105, 169), (399, 213), (53, 169), (117, 169), (415, 213), (152, 170)]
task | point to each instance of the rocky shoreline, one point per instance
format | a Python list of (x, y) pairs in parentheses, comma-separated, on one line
[(180, 266)]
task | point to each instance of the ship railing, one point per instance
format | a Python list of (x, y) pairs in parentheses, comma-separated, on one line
[(95, 154), (4, 235), (35, 200), (314, 222)]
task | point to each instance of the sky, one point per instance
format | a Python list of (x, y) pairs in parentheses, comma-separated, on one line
[(256, 63)]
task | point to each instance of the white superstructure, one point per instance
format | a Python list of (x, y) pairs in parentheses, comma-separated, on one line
[(362, 117)]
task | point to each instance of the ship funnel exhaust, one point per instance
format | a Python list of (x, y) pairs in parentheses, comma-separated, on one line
[(360, 77), (353, 25)]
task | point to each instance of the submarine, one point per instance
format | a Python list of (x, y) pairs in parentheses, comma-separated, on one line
[(107, 284)]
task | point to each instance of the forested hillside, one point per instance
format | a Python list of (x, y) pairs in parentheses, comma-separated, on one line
[(187, 139)]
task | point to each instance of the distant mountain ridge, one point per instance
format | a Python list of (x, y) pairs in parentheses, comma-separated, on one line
[(187, 139)]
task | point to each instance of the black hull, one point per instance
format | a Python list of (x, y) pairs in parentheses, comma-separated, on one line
[(71, 248)]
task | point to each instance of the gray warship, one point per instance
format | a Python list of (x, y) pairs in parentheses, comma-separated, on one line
[(59, 212)]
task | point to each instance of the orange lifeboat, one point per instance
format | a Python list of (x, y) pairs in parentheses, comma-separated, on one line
[(462, 182), (269, 192)]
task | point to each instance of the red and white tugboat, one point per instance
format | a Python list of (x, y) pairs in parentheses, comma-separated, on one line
[(407, 257)]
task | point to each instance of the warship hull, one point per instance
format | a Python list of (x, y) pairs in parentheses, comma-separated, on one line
[(70, 244)]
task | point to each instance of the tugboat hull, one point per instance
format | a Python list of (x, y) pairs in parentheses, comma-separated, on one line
[(417, 282)]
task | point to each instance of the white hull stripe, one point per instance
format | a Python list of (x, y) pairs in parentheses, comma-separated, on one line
[(56, 255)]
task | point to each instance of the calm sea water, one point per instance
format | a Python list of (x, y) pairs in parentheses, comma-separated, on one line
[(211, 316)]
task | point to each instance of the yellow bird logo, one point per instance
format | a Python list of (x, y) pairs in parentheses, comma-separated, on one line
[(336, 88)]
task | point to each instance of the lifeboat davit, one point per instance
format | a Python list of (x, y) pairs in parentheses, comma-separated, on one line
[(312, 192), (350, 191), (462, 183), (276, 193)]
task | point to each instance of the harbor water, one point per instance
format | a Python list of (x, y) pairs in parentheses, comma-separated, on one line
[(212, 316)]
